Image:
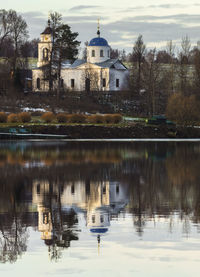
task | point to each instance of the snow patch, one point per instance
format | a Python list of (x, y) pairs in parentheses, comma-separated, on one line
[(33, 110)]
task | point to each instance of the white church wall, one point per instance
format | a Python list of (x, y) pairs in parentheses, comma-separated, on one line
[(97, 50), (44, 85), (95, 74), (122, 76), (72, 74)]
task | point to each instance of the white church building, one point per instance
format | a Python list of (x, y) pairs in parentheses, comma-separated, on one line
[(98, 73)]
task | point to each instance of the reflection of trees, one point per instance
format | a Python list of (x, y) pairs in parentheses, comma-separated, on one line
[(163, 179), (13, 237)]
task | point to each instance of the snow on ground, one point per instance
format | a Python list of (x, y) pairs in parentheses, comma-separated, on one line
[(33, 110)]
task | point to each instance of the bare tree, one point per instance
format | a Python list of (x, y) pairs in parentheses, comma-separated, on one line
[(197, 69), (183, 64), (170, 48), (19, 33), (152, 72), (5, 25), (138, 56), (84, 56)]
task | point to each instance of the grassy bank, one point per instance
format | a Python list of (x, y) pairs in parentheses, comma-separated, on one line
[(107, 131)]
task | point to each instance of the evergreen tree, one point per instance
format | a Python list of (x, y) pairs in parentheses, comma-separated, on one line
[(64, 47)]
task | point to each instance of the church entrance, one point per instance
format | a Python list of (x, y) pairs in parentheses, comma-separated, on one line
[(87, 84)]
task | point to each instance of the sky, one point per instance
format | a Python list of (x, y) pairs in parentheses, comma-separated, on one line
[(121, 21)]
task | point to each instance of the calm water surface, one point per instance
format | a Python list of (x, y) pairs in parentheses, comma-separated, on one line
[(100, 209)]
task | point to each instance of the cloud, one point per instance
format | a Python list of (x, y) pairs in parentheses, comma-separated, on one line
[(183, 18), (162, 6), (81, 19), (122, 32), (36, 22), (82, 7)]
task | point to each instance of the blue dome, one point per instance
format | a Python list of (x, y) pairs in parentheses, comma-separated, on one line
[(98, 42)]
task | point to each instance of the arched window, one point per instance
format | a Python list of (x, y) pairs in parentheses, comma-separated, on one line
[(45, 54), (101, 53), (93, 53), (72, 189), (62, 83), (38, 83), (51, 84), (117, 83), (93, 218)]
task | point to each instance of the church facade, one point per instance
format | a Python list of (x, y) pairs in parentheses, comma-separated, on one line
[(97, 73)]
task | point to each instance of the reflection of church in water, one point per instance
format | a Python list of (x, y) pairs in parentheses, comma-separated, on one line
[(59, 207)]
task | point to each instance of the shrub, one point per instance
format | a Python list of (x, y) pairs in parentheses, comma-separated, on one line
[(117, 118), (48, 117), (13, 118), (76, 118), (108, 118), (183, 109), (24, 117), (62, 117), (97, 118), (3, 117)]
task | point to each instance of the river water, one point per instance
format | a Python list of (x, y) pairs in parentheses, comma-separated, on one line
[(100, 208)]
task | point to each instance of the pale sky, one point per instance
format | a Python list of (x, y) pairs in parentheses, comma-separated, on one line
[(121, 21)]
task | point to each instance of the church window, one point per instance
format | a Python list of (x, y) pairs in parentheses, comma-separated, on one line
[(104, 82), (38, 83), (117, 83), (72, 189), (38, 188), (45, 218), (117, 189), (101, 219), (45, 54), (101, 53), (93, 53), (62, 83), (108, 53), (104, 189), (51, 84), (72, 83), (61, 189), (93, 219)]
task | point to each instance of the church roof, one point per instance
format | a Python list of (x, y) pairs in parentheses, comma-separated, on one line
[(47, 31), (98, 41), (70, 64), (112, 63)]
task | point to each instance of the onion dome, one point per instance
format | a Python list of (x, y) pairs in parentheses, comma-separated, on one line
[(98, 41)]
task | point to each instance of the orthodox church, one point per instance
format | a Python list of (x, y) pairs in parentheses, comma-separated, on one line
[(97, 73)]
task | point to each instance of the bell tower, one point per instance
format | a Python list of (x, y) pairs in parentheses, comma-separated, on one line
[(45, 46)]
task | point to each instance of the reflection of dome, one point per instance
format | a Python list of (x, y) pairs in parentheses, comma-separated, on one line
[(98, 230), (98, 42)]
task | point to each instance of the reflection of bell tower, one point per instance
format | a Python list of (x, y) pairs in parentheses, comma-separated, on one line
[(45, 46), (44, 223)]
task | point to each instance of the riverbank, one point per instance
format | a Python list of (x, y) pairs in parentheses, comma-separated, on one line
[(116, 131)]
